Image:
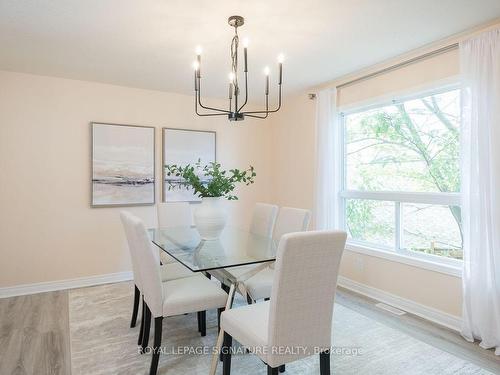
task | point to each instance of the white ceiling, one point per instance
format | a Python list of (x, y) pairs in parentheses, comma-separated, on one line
[(150, 43)]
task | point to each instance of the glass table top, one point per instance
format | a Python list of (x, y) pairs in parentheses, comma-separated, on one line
[(235, 247)]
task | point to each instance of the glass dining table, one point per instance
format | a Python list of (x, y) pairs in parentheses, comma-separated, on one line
[(234, 248)]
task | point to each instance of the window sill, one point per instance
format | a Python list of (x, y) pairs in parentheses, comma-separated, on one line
[(427, 264)]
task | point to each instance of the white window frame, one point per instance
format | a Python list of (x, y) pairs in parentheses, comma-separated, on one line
[(429, 261)]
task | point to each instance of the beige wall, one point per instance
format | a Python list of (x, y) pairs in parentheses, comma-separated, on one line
[(293, 132), (47, 229), (49, 232), (414, 76), (294, 171), (429, 288)]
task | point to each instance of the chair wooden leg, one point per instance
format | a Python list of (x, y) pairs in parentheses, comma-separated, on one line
[(147, 326), (282, 368), (156, 346), (272, 370), (135, 310), (324, 363), (226, 354), (203, 323), (143, 315), (219, 312)]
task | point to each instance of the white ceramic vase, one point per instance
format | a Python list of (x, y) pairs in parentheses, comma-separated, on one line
[(210, 218)]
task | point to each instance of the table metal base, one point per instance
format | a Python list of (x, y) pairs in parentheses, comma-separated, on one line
[(235, 284)]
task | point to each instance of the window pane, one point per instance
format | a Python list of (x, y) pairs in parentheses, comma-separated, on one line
[(371, 221), (413, 146), (432, 229)]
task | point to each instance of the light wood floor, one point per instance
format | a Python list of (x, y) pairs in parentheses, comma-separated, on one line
[(34, 333)]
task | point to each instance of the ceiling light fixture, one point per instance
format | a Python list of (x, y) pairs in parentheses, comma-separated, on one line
[(235, 111)]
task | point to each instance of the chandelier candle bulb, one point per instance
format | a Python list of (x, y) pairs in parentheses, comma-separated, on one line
[(266, 72), (245, 46), (195, 66), (281, 58), (245, 54), (198, 60)]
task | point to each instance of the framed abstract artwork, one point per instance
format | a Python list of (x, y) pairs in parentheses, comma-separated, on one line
[(182, 147), (123, 165)]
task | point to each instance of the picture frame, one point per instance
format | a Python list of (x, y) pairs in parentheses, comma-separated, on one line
[(123, 170), (182, 147)]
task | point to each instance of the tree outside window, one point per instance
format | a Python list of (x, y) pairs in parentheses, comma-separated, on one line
[(412, 146)]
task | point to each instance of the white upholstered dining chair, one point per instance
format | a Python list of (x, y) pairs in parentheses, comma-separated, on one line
[(289, 220), (297, 321), (172, 297), (262, 224), (173, 214), (169, 271), (263, 219)]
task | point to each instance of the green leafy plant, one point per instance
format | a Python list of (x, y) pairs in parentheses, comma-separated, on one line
[(209, 180)]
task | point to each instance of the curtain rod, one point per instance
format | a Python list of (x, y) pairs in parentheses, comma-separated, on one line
[(400, 65)]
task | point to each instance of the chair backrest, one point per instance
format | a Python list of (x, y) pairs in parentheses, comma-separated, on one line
[(263, 219), (148, 262), (303, 294), (291, 220), (174, 214), (126, 219)]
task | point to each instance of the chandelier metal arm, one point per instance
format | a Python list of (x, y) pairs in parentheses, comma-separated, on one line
[(255, 116), (235, 109), (206, 107), (210, 114), (204, 114), (267, 111)]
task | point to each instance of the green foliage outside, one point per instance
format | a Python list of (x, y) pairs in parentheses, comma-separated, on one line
[(411, 146)]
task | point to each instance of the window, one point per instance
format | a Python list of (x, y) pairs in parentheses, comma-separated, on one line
[(401, 176)]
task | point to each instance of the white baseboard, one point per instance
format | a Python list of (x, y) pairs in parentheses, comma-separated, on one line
[(440, 317), (447, 320), (51, 286)]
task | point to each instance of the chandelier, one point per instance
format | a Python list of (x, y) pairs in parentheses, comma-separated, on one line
[(235, 110)]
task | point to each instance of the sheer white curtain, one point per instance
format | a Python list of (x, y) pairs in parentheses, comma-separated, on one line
[(480, 68), (328, 146)]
